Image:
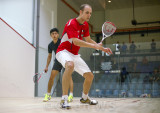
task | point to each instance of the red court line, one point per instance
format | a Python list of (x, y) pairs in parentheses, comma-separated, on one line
[(17, 33)]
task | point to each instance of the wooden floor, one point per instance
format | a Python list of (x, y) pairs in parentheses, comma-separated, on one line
[(105, 105)]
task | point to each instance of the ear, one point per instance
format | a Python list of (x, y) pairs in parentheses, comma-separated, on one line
[(80, 12)]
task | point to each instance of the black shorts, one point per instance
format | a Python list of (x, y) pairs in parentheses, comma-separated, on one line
[(57, 66)]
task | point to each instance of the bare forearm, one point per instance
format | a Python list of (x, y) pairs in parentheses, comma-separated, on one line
[(88, 39), (82, 43), (92, 41), (48, 61)]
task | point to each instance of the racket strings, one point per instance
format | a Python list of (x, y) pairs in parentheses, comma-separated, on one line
[(36, 78), (108, 29)]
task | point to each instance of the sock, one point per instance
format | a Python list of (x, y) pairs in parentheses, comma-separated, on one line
[(65, 97), (71, 94), (84, 96), (49, 93)]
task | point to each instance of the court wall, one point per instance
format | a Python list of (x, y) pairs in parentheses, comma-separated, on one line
[(17, 63)]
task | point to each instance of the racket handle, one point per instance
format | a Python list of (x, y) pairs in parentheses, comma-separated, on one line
[(41, 75), (102, 40), (38, 78)]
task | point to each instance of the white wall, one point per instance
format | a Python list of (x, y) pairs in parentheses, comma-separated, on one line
[(48, 20), (19, 14), (43, 82), (17, 64)]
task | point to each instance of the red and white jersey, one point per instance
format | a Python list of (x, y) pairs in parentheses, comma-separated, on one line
[(73, 30)]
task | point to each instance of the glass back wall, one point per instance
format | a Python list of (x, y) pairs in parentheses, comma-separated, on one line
[(132, 71)]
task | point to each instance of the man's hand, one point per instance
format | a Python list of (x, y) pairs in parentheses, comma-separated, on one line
[(100, 44), (108, 51), (100, 47), (45, 70)]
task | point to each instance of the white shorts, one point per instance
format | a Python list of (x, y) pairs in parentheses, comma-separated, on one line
[(79, 65)]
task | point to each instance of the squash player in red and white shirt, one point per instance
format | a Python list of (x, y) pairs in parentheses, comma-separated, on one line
[(67, 54)]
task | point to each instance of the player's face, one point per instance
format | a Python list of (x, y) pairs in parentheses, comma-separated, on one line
[(54, 35), (86, 13)]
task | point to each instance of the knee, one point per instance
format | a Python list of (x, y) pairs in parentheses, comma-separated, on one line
[(69, 65), (89, 76)]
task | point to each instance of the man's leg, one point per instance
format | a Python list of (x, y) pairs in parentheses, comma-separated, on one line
[(87, 82), (86, 87), (66, 59), (82, 68), (51, 80), (50, 84), (70, 98), (69, 67)]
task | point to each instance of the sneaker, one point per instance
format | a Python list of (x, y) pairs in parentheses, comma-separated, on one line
[(89, 101), (64, 104), (47, 97), (70, 98)]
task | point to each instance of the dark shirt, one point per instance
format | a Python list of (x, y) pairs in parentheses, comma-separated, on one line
[(123, 75), (53, 46), (132, 47)]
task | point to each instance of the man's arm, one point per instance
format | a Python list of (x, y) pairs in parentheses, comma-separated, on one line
[(88, 39), (48, 61), (82, 43)]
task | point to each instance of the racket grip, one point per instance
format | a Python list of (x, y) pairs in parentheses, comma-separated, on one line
[(102, 40), (38, 78)]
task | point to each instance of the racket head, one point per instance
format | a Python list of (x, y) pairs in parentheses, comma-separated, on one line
[(36, 77), (108, 28)]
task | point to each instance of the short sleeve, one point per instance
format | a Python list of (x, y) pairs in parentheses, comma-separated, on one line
[(49, 49), (71, 31)]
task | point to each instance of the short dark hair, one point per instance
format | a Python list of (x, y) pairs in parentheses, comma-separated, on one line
[(83, 6), (54, 30)]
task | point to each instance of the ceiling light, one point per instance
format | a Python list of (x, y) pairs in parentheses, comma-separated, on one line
[(109, 1)]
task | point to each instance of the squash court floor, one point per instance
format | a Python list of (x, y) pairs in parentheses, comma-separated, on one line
[(105, 105)]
